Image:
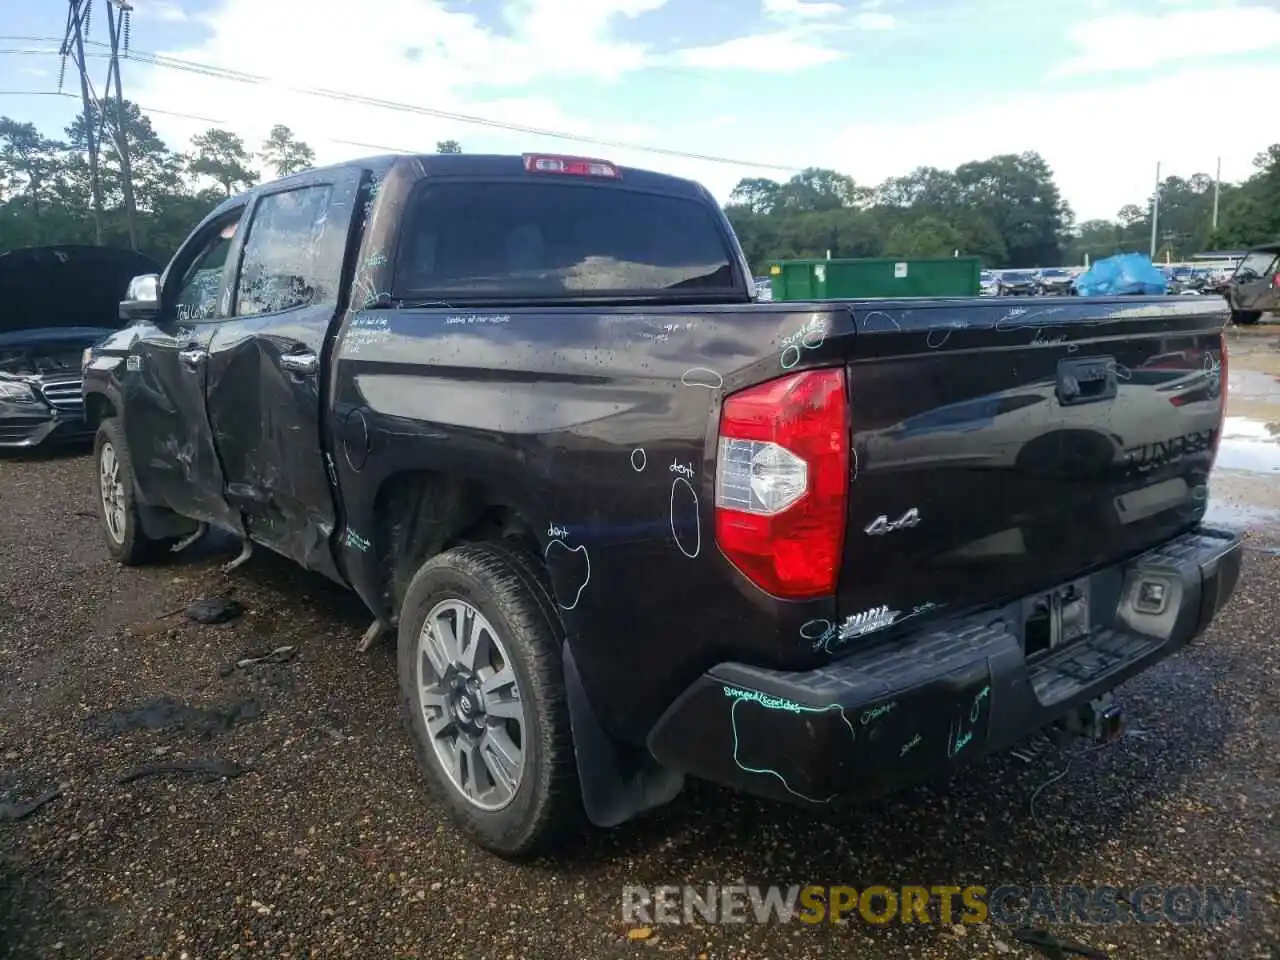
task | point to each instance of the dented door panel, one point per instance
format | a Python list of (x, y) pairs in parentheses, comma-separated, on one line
[(170, 446), (267, 365), (165, 371)]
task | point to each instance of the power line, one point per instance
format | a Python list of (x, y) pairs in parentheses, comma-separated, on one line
[(237, 76), (211, 120)]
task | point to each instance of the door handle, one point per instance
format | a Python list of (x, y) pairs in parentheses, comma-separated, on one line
[(192, 358), (300, 363)]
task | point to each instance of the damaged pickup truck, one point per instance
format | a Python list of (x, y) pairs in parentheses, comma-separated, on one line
[(630, 525)]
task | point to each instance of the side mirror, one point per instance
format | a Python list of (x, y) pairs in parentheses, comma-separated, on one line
[(142, 299)]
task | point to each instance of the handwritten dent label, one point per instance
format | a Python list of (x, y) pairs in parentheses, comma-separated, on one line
[(772, 703), (474, 319), (1041, 339), (809, 337), (557, 532), (875, 713), (976, 708), (682, 469)]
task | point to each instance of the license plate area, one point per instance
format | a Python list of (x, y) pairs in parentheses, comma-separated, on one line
[(1055, 618)]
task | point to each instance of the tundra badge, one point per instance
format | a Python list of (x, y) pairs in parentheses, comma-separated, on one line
[(882, 524)]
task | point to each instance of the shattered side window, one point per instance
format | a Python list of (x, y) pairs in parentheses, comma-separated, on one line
[(197, 298), (284, 264)]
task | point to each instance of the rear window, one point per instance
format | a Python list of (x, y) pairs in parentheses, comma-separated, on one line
[(556, 240), (1018, 276)]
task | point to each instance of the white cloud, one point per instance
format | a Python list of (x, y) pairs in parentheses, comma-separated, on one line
[(1129, 42), (163, 10), (405, 51), (802, 38), (1103, 154), (784, 51), (801, 8), (875, 21)]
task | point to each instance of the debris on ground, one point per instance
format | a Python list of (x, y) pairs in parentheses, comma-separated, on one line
[(166, 713), (214, 610), (278, 655), (1055, 948), (205, 771), (24, 809)]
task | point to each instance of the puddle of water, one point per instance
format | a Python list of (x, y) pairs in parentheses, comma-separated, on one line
[(1253, 385), (1240, 516), (1249, 445)]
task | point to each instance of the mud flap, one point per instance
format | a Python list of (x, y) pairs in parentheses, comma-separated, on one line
[(617, 782)]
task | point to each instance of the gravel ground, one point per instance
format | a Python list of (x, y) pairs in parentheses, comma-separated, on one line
[(330, 847)]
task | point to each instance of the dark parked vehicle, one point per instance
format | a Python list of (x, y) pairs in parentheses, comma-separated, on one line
[(630, 525), (1018, 283), (54, 302), (1182, 279), (1254, 288), (1055, 281)]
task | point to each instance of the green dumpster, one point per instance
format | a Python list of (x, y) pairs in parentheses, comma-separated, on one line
[(874, 279)]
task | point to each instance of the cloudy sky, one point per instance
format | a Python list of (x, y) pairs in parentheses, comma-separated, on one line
[(1102, 88)]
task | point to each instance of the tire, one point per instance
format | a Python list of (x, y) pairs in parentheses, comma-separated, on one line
[(508, 598), (126, 541), (1245, 318)]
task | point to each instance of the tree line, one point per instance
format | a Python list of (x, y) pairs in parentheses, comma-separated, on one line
[(46, 194), (1006, 209)]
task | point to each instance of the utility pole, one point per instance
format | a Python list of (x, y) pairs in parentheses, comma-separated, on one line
[(73, 44), (118, 23), (1217, 182), (1155, 211)]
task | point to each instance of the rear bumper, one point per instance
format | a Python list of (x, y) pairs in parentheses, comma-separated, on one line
[(907, 711)]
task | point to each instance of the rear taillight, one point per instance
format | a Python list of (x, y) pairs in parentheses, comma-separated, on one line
[(1275, 281), (569, 166), (1222, 398), (782, 482)]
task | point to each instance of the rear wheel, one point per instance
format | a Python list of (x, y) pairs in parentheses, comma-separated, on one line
[(126, 541), (1246, 318), (483, 691)]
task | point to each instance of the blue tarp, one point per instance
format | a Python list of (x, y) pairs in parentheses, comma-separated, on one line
[(1126, 273)]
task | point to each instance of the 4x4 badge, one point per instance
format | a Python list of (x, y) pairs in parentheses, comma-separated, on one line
[(882, 524)]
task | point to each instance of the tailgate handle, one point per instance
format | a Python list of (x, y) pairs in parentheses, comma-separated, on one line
[(1086, 380)]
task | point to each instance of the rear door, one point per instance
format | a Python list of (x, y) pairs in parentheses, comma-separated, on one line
[(267, 363), (163, 381)]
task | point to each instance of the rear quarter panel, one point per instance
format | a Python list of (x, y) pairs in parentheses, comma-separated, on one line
[(598, 426)]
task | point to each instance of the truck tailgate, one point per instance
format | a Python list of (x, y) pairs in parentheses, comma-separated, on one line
[(998, 451)]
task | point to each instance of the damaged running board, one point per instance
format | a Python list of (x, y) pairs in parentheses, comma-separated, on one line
[(246, 551), (377, 631), (188, 540)]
